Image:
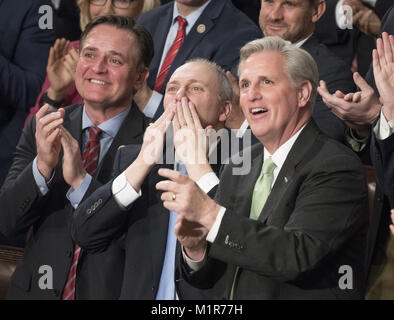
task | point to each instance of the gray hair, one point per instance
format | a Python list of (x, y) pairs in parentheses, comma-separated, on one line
[(225, 88), (300, 65)]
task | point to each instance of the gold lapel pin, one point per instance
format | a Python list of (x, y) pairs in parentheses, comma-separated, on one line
[(201, 28), (121, 146)]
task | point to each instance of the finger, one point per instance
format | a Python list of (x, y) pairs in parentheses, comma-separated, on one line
[(322, 89), (53, 136), (357, 97), (175, 123), (179, 112), (167, 186), (375, 64), (74, 54), (195, 117), (392, 45), (339, 94), (51, 126), (380, 50), (361, 83), (388, 55), (45, 120), (348, 97), (168, 196), (172, 175), (51, 57), (41, 112), (186, 113)]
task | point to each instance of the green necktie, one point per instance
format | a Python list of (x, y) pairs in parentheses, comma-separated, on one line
[(261, 191), (262, 188)]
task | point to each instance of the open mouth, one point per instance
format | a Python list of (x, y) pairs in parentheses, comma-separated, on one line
[(255, 111)]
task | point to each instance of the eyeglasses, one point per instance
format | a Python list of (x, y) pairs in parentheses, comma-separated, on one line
[(119, 4)]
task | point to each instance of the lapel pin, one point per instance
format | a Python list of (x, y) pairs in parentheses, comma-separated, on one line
[(122, 146), (286, 179), (201, 28)]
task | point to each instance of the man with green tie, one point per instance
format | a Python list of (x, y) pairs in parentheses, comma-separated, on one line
[(294, 226)]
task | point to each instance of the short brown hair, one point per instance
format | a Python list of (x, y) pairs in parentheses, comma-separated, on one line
[(144, 39)]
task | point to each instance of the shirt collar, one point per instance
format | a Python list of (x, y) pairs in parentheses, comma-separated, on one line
[(110, 126), (301, 42), (280, 155), (192, 17)]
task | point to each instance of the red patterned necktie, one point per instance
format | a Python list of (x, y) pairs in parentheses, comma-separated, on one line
[(180, 37), (90, 159)]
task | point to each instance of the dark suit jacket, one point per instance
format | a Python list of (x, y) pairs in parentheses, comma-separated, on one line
[(146, 227), (99, 276), (227, 30), (314, 221), (24, 49), (337, 76), (382, 156)]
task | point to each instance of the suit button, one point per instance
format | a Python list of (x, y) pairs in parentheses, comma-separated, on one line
[(153, 288)]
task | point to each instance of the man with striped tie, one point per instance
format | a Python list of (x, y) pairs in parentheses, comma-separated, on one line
[(294, 227), (198, 97), (63, 156)]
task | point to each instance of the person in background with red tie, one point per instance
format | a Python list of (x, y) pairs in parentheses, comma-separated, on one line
[(40, 191), (187, 29)]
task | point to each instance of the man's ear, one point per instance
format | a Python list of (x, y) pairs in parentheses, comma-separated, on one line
[(141, 78), (226, 110), (304, 93), (318, 10)]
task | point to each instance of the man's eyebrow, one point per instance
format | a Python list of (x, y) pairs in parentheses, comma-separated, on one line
[(116, 53), (90, 49), (112, 52)]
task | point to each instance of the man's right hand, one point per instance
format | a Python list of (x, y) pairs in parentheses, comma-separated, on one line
[(151, 150), (192, 236), (48, 140), (359, 109)]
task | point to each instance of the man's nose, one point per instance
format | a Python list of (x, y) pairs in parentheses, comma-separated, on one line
[(99, 65), (254, 92), (180, 93), (276, 12)]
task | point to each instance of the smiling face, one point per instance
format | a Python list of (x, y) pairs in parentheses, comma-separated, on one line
[(274, 108), (292, 20), (198, 82), (106, 75)]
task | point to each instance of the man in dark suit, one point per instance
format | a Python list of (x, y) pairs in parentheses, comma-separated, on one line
[(113, 64), (296, 23), (198, 96), (297, 220), (215, 30), (24, 49)]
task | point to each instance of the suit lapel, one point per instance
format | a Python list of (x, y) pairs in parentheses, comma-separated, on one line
[(299, 151), (194, 38)]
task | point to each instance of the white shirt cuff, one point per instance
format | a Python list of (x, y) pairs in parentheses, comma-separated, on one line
[(192, 264), (123, 192), (208, 181), (340, 17), (383, 128), (216, 225)]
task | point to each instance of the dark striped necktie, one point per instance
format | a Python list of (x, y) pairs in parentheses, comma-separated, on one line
[(90, 158)]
